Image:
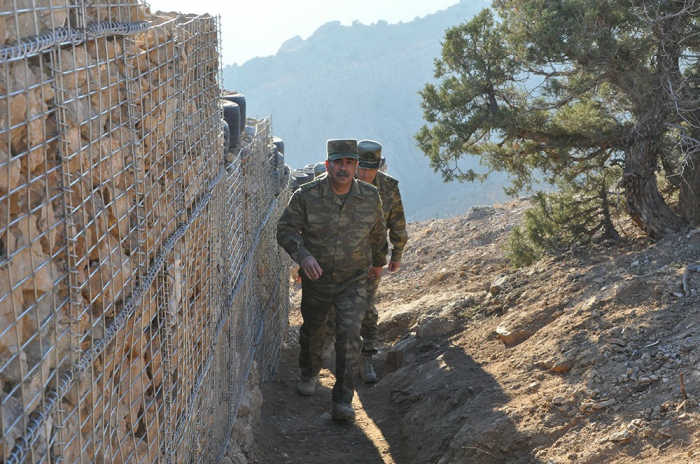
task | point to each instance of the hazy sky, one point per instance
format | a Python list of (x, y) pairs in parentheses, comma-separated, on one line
[(253, 28)]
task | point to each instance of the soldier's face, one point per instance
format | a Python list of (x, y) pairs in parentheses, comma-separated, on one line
[(342, 171), (367, 175)]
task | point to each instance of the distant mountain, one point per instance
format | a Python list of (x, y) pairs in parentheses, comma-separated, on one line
[(362, 82)]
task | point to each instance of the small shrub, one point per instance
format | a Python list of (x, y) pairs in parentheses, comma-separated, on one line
[(519, 250), (575, 215)]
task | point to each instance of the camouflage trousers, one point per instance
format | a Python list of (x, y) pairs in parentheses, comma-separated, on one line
[(369, 321), (350, 302)]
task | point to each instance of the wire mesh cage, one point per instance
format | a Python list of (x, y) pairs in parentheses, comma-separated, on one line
[(139, 277)]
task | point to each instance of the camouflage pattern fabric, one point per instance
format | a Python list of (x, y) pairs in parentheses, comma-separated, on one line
[(350, 302), (341, 148), (345, 238), (393, 213), (396, 223), (370, 320)]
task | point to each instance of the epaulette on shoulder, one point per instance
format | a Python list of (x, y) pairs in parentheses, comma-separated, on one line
[(312, 184), (388, 178), (364, 184)]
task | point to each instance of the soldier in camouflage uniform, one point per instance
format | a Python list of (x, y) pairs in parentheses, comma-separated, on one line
[(334, 228), (370, 153)]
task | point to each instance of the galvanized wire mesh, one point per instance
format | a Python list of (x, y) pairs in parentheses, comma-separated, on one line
[(139, 276)]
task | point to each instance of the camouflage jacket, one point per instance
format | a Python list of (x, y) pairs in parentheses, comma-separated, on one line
[(393, 213), (345, 238)]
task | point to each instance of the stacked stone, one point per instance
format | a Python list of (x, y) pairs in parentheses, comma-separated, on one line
[(27, 19), (109, 121), (33, 303)]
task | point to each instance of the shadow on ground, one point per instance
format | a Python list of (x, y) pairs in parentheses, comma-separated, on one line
[(296, 429), (439, 407), (442, 407)]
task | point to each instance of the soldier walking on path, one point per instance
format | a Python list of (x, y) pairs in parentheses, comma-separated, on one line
[(370, 156), (334, 228)]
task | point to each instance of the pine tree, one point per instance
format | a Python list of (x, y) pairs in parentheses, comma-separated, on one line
[(569, 90)]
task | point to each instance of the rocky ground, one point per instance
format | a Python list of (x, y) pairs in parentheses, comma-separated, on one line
[(592, 356)]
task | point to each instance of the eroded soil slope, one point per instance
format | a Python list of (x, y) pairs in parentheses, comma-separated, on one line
[(589, 357)]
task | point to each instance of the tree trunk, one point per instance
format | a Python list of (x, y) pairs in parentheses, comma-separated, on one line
[(689, 198), (645, 205), (609, 231)]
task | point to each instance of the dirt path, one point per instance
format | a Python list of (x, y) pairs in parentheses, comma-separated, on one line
[(297, 429), (590, 357)]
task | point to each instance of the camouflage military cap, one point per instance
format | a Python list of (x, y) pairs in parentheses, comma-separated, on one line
[(341, 148), (370, 153)]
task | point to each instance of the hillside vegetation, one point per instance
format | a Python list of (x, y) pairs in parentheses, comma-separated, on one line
[(593, 96), (588, 352), (362, 81), (592, 356)]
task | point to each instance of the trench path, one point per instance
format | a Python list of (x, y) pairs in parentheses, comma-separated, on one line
[(298, 429)]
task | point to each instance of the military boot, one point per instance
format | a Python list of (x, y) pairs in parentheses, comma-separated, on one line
[(306, 386), (367, 373), (343, 411)]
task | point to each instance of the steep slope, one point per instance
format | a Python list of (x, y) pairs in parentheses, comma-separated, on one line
[(591, 356), (362, 81), (588, 357)]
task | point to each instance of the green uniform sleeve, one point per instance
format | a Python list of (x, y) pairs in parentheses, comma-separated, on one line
[(290, 226), (396, 223), (377, 237)]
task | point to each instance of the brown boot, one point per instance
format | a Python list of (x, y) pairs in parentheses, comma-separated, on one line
[(367, 373), (307, 386)]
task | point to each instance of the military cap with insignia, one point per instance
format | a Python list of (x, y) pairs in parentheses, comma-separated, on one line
[(370, 154), (341, 148)]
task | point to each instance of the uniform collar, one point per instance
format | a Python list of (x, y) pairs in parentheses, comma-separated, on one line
[(376, 181), (328, 192)]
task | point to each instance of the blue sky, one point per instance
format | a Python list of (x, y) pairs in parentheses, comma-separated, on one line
[(259, 27)]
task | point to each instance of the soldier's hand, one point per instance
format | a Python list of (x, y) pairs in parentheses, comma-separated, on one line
[(311, 268), (375, 273), (394, 266)]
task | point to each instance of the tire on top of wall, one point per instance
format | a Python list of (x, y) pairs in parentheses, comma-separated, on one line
[(238, 99), (280, 158), (227, 135), (232, 116), (279, 143), (277, 157)]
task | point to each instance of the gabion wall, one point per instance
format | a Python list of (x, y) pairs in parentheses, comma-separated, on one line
[(139, 275)]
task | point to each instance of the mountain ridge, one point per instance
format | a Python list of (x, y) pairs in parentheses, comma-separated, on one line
[(362, 81)]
